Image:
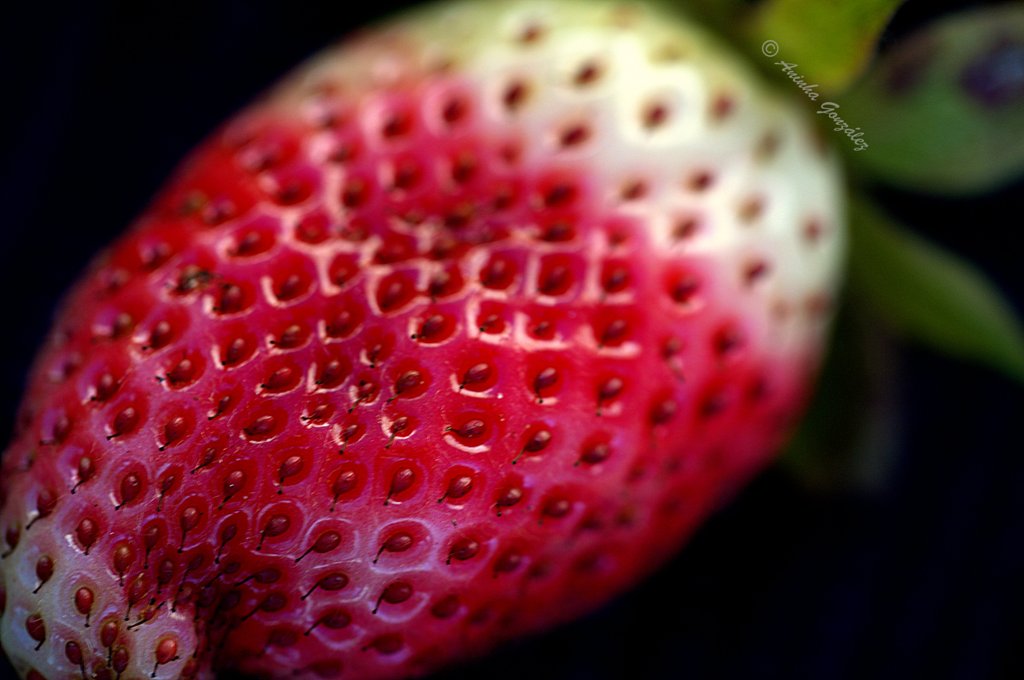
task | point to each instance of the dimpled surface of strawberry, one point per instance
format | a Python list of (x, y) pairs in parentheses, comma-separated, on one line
[(450, 338)]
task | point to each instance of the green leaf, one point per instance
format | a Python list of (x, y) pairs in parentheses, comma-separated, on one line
[(727, 16), (930, 295), (944, 111), (830, 41), (846, 439)]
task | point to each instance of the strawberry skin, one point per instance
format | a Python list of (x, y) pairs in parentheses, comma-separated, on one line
[(452, 337)]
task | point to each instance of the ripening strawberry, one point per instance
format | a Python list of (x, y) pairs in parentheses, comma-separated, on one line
[(454, 336)]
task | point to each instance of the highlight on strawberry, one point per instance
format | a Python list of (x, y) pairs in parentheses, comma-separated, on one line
[(456, 334)]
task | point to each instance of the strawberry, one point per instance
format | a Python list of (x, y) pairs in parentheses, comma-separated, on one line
[(452, 337)]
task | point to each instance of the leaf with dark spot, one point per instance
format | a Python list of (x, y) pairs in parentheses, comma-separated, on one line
[(944, 111)]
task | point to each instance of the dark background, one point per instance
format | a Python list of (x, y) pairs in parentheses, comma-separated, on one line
[(919, 577)]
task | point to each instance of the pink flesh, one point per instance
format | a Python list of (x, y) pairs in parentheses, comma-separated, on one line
[(624, 477)]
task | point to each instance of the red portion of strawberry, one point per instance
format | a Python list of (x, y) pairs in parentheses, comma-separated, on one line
[(367, 390)]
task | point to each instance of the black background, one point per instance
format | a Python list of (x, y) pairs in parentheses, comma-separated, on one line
[(917, 578)]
